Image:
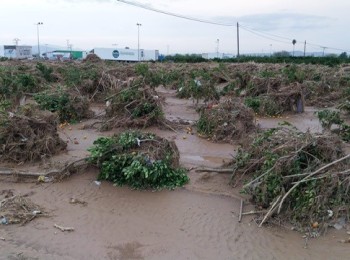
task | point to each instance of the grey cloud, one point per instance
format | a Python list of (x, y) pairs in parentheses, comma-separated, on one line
[(275, 21), (79, 1)]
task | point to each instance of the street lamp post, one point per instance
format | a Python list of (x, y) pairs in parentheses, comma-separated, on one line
[(138, 40), (37, 28), (217, 48)]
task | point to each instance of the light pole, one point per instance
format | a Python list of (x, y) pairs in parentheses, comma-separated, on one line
[(37, 29), (270, 50), (138, 41), (217, 48)]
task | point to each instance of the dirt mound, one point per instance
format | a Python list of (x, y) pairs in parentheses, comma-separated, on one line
[(227, 121), (29, 138), (301, 176)]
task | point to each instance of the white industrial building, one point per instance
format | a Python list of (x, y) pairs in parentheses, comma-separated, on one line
[(17, 51)]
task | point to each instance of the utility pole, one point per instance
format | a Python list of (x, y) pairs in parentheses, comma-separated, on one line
[(16, 40), (305, 49), (37, 27), (323, 50), (217, 48), (138, 41), (237, 40)]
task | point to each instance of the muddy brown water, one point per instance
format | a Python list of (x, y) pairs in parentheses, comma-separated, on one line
[(199, 221)]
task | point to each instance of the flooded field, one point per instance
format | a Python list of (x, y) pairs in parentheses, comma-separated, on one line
[(199, 221)]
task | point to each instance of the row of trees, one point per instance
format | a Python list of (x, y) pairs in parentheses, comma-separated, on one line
[(278, 57)]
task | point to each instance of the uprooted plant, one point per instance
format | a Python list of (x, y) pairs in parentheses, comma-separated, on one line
[(302, 177), (70, 108), (139, 160), (230, 120), (18, 209), (328, 118), (137, 105), (25, 137)]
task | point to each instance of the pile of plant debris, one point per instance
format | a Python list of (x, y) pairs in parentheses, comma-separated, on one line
[(301, 177), (135, 106), (91, 57), (28, 136), (69, 107), (227, 121), (139, 160), (17, 209), (270, 97)]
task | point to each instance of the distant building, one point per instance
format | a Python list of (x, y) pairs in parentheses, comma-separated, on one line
[(217, 55), (17, 51), (65, 55)]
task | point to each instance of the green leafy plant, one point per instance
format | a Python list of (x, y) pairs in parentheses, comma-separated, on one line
[(69, 108), (294, 74), (253, 102), (328, 118), (205, 125), (45, 71), (139, 160), (142, 69)]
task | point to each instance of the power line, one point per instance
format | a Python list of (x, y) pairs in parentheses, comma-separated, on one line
[(270, 34), (261, 35), (174, 14), (253, 31)]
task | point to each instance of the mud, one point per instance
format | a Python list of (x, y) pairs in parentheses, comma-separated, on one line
[(199, 221), (304, 121), (118, 223)]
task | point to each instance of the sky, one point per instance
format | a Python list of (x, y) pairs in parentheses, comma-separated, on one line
[(112, 24)]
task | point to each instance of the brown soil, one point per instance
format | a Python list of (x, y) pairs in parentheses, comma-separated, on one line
[(197, 222)]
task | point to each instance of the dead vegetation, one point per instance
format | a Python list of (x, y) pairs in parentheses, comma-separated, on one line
[(17, 209), (301, 177), (29, 138), (228, 121)]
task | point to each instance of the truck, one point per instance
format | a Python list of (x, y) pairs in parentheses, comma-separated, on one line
[(128, 55)]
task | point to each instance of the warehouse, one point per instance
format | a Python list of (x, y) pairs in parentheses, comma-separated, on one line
[(65, 55), (17, 51)]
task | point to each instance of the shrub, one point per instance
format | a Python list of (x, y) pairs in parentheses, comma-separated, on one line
[(253, 102), (328, 118), (69, 108), (45, 71), (139, 160)]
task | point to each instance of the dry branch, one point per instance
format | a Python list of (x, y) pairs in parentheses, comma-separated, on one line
[(63, 229), (271, 211), (309, 176), (218, 170)]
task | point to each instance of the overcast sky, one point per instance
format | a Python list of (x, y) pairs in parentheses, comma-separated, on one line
[(102, 23)]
